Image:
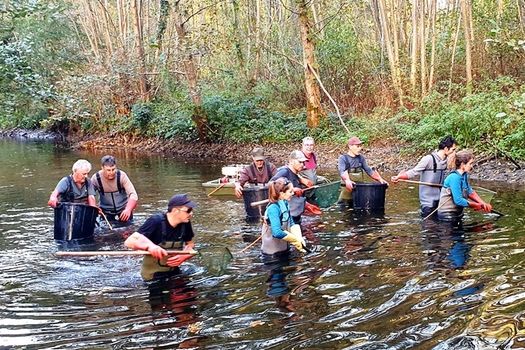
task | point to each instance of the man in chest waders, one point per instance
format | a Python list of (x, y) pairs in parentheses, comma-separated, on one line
[(291, 171), (257, 173), (170, 230), (351, 166), (431, 168), (75, 188), (118, 197)]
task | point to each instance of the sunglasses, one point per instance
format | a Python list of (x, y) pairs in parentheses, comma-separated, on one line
[(189, 210)]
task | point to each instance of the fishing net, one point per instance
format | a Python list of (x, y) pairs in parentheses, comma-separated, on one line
[(327, 194), (484, 193), (215, 259)]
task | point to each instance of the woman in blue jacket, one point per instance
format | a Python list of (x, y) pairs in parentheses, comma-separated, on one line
[(456, 192), (278, 228)]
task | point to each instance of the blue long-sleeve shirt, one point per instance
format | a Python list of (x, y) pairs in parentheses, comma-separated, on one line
[(277, 214), (458, 183)]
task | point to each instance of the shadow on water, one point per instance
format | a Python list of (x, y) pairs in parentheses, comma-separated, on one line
[(387, 281)]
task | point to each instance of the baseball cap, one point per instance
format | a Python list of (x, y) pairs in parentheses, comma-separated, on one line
[(354, 140), (258, 153), (298, 155), (180, 200)]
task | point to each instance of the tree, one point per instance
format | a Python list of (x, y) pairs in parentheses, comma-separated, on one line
[(314, 110)]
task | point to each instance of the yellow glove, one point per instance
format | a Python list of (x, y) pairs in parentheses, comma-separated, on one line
[(297, 242)]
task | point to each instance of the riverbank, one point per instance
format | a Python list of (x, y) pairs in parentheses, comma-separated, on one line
[(387, 157)]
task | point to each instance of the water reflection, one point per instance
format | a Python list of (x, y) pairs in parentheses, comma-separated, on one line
[(174, 298), (385, 281)]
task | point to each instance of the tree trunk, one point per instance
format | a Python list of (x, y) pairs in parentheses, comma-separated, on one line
[(414, 48), (423, 46), (314, 110), (236, 34), (521, 14), (143, 84), (433, 10), (467, 37), (453, 58), (164, 11), (191, 73)]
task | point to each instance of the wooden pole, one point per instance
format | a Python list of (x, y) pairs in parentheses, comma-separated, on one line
[(106, 219), (439, 185), (264, 201), (251, 244), (218, 188), (123, 253)]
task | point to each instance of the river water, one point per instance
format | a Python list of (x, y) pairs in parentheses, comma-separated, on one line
[(371, 282)]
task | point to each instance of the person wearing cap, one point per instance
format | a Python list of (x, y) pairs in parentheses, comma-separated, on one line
[(351, 166), (170, 230), (431, 169), (74, 188), (260, 171), (296, 161), (118, 197)]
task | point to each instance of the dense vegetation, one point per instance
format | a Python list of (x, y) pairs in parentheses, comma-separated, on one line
[(233, 70)]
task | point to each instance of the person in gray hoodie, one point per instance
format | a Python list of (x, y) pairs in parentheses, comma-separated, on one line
[(431, 169)]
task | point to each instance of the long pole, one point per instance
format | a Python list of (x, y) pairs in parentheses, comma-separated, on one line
[(123, 253), (218, 188), (421, 183), (439, 185), (106, 219), (264, 201)]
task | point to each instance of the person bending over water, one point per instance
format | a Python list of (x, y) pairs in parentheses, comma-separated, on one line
[(456, 192), (170, 230)]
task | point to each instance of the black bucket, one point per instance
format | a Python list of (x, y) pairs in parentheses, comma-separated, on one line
[(74, 221), (254, 194), (369, 197)]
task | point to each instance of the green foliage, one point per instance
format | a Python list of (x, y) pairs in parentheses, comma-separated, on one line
[(168, 122), (141, 114), (494, 113), (35, 51), (246, 121)]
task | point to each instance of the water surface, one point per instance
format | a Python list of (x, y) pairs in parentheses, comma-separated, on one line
[(373, 282)]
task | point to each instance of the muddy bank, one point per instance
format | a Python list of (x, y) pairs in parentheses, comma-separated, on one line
[(385, 157)]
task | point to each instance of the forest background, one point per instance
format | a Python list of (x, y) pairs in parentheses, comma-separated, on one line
[(268, 71)]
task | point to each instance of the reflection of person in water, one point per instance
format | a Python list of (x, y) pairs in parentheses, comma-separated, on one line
[(278, 287), (447, 243), (175, 295)]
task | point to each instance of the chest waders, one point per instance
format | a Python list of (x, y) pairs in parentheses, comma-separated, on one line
[(428, 195), (270, 244), (69, 195), (151, 265), (449, 211), (355, 175), (252, 173), (112, 203)]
